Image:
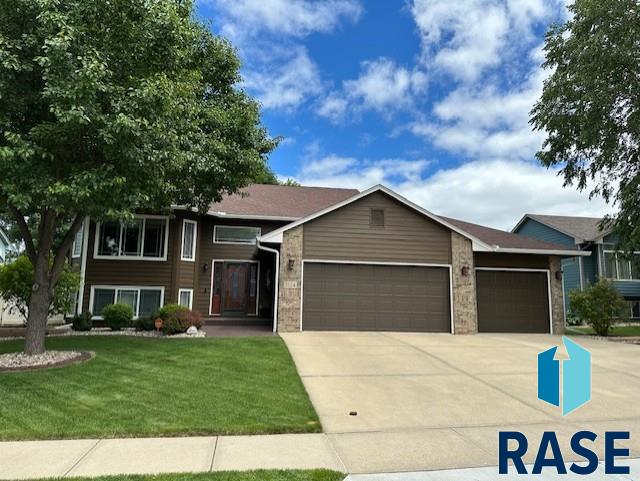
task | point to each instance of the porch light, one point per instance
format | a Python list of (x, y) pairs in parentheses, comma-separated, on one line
[(291, 263), (559, 275), (205, 267), (465, 271)]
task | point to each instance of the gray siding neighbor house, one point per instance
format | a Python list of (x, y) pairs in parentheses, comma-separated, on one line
[(311, 258), (585, 234)]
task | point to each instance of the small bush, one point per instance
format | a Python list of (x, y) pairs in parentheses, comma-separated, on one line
[(180, 320), (117, 316), (145, 323), (165, 311), (82, 322), (600, 306)]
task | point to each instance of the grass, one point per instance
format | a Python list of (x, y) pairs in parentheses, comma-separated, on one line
[(618, 331), (155, 387), (314, 475)]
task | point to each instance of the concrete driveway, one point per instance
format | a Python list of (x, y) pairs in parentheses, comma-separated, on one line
[(437, 401)]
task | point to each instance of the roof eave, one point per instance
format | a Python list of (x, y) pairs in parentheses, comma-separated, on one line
[(549, 252)]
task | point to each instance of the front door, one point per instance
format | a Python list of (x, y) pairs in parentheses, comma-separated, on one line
[(235, 289)]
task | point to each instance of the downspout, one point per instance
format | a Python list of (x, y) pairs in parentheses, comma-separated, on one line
[(277, 279)]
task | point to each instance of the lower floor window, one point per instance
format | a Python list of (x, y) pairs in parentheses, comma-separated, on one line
[(185, 298), (635, 309), (143, 300)]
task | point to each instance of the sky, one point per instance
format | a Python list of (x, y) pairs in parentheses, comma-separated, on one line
[(428, 97)]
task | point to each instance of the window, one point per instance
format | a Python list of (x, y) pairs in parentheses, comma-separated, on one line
[(143, 238), (189, 236), (76, 250), (185, 297), (376, 217), (225, 234), (143, 300), (635, 309), (620, 267)]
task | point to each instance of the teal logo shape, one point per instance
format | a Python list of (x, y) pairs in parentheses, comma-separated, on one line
[(576, 377)]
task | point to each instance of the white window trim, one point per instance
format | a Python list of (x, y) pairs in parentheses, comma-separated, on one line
[(96, 242), (194, 241), (215, 229), (190, 291), (378, 263), (124, 288), (213, 272), (617, 276), (75, 255)]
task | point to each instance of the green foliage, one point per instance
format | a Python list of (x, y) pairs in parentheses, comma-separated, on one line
[(180, 320), (16, 281), (589, 107), (117, 316), (165, 311), (82, 322), (600, 306), (145, 323)]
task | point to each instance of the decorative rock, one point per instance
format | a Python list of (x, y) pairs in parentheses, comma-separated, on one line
[(20, 361), (192, 331)]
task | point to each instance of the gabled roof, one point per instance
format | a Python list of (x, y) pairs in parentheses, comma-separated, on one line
[(503, 241), (278, 202), (582, 229)]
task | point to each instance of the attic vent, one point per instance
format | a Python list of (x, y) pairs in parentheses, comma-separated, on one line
[(376, 218)]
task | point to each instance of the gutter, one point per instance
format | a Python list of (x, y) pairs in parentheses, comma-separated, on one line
[(276, 281)]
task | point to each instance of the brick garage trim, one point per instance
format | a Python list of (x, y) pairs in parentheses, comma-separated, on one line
[(290, 282), (465, 308)]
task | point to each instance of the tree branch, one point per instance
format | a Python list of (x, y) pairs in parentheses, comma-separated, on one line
[(25, 232), (62, 250)]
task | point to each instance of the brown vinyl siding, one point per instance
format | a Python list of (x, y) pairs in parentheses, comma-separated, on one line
[(124, 272), (361, 297), (407, 236), (525, 261), (207, 251)]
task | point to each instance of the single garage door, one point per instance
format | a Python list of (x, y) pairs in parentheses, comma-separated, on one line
[(512, 301), (357, 297)]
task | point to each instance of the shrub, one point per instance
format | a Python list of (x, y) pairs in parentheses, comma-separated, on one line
[(180, 320), (117, 316), (145, 323), (168, 309), (82, 322), (600, 306)]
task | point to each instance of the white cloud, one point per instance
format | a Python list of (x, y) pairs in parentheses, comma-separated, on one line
[(494, 192), (382, 86), (295, 18), (285, 86)]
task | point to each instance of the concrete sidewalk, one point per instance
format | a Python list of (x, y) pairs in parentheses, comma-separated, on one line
[(96, 457)]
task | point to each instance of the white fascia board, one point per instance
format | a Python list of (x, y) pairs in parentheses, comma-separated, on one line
[(276, 235), (550, 252)]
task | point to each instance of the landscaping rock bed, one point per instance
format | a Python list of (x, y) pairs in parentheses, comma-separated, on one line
[(66, 330), (19, 361)]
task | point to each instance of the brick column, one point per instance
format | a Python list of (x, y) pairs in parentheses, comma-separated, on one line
[(290, 280), (465, 310), (557, 304)]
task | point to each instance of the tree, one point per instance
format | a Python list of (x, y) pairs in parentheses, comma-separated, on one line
[(600, 305), (590, 107), (16, 279), (111, 107)]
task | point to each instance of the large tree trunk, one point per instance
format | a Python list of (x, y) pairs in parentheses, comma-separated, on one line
[(37, 320)]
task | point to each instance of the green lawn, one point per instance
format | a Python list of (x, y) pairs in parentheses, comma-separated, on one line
[(316, 475), (619, 331), (155, 387)]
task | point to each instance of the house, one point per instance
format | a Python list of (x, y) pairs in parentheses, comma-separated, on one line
[(310, 258), (585, 234), (8, 317)]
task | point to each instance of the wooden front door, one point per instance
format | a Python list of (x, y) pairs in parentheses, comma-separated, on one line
[(235, 289)]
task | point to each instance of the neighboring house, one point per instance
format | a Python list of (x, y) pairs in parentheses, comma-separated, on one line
[(309, 258), (585, 234), (7, 316)]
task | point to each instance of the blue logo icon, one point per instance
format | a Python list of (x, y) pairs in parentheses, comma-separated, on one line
[(576, 377)]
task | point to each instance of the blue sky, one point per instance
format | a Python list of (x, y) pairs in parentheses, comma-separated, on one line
[(429, 97)]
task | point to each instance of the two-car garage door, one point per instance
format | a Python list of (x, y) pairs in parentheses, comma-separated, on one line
[(363, 297)]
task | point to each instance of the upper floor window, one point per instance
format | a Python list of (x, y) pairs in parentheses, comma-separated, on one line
[(619, 267), (376, 217), (143, 238), (189, 236), (76, 250), (228, 234)]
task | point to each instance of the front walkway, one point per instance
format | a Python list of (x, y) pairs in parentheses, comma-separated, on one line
[(97, 457)]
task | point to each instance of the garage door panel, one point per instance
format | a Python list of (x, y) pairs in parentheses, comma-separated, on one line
[(375, 297), (512, 301)]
